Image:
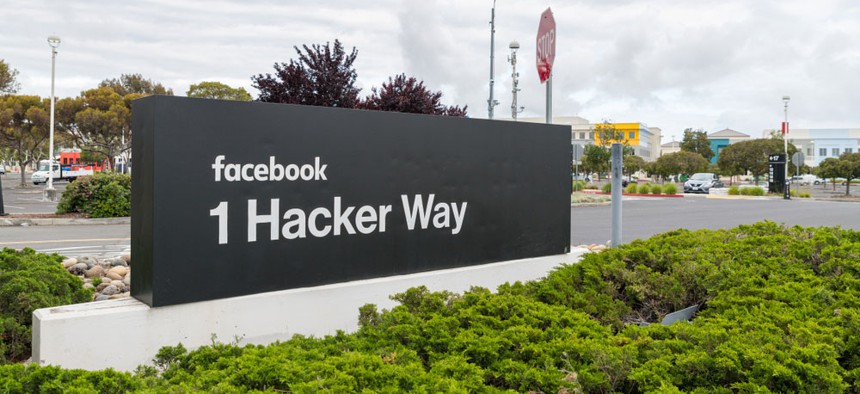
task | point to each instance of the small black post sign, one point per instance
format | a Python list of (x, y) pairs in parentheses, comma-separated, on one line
[(235, 198), (776, 173)]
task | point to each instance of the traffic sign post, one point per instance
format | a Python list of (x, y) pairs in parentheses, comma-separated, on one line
[(545, 51), (797, 158)]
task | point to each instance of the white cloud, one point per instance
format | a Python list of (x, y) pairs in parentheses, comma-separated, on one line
[(671, 64)]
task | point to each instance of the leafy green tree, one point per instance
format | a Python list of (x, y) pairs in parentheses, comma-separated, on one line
[(135, 83), (99, 121), (681, 162), (633, 163), (409, 95), (322, 76), (696, 141), (750, 156), (846, 166), (8, 79), (24, 124), (595, 158), (218, 90)]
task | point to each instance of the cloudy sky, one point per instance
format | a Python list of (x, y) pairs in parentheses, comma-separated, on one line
[(668, 63)]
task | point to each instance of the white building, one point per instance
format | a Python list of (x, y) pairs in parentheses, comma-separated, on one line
[(820, 144)]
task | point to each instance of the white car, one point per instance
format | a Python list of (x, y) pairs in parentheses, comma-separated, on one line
[(806, 179), (2, 169)]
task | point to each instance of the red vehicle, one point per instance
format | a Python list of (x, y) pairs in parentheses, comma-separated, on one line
[(69, 168)]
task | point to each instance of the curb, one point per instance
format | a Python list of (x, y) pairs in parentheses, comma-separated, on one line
[(7, 221)]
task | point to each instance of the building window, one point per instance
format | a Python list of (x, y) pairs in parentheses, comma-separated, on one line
[(582, 135), (632, 135), (835, 152), (809, 151), (849, 150), (822, 151), (591, 135)]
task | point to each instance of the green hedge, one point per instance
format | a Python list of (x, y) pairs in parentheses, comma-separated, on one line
[(99, 196), (670, 188), (779, 312), (29, 281)]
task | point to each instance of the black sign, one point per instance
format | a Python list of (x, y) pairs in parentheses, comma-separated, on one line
[(776, 173), (234, 198)]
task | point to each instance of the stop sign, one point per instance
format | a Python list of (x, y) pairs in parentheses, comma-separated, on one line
[(545, 45)]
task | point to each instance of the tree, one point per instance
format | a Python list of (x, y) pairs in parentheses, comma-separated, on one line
[(750, 156), (99, 121), (322, 76), (606, 134), (218, 90), (409, 95), (681, 162), (24, 126), (135, 83), (633, 163), (8, 78), (596, 158), (696, 141), (846, 166)]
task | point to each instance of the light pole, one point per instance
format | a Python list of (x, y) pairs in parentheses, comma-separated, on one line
[(50, 193), (514, 79), (492, 102), (787, 195)]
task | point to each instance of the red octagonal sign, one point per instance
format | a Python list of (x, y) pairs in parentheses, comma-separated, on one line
[(545, 45)]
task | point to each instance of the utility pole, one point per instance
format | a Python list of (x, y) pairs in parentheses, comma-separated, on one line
[(491, 102), (787, 194), (514, 79)]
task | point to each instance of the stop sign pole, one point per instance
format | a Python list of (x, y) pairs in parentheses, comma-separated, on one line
[(545, 47)]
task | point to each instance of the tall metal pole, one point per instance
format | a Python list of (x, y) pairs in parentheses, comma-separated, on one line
[(617, 164), (491, 102), (50, 193), (787, 194), (549, 99)]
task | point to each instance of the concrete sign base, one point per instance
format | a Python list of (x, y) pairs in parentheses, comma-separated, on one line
[(140, 330)]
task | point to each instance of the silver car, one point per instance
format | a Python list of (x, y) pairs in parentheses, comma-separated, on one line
[(702, 182)]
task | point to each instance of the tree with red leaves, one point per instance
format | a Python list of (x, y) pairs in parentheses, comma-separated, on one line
[(409, 95), (322, 76)]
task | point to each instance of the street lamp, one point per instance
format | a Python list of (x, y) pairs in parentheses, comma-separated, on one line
[(787, 195), (50, 193)]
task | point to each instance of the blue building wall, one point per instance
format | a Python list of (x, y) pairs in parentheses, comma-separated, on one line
[(716, 145)]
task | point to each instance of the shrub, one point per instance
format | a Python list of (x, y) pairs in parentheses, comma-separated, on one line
[(99, 196), (734, 190), (632, 188), (805, 195), (756, 191), (29, 281), (670, 188), (656, 189), (779, 311), (591, 186), (578, 185), (607, 188)]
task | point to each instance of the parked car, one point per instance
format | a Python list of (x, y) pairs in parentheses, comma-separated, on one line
[(807, 179), (2, 169), (702, 182)]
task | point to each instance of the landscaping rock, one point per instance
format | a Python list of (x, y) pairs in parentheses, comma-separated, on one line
[(119, 263), (113, 275), (102, 286), (69, 262), (100, 297), (119, 270), (126, 258), (95, 272), (90, 261), (78, 269), (110, 290)]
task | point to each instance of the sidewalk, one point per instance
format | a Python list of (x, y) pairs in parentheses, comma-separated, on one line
[(14, 220)]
